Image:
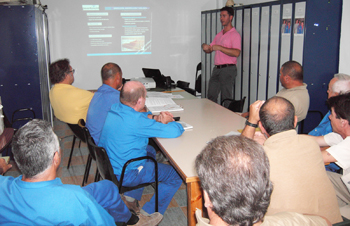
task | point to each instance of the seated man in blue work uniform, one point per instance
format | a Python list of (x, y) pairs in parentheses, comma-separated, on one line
[(339, 84), (125, 136), (107, 95), (39, 198)]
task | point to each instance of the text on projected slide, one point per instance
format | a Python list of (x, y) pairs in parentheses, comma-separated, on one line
[(118, 30)]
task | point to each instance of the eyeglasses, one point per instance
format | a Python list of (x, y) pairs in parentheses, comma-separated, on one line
[(73, 70)]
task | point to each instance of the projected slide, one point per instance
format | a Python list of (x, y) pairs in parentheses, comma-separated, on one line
[(133, 24)]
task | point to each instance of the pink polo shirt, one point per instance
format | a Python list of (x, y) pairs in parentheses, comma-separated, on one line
[(231, 39)]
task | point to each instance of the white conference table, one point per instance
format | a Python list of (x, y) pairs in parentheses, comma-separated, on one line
[(209, 120)]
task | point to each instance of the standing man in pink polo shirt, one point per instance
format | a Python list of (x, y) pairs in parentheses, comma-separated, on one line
[(227, 47)]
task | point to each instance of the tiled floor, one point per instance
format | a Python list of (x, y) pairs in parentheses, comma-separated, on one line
[(176, 213)]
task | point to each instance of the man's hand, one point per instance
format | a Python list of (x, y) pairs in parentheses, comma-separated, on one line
[(207, 48), (4, 166), (254, 118), (254, 111), (164, 117)]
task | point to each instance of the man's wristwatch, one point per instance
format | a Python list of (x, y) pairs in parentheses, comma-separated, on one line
[(251, 124)]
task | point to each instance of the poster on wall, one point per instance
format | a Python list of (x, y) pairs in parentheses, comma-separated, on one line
[(286, 28), (299, 20), (299, 26)]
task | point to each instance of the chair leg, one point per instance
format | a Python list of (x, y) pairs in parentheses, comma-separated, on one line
[(79, 143), (156, 191), (97, 175), (87, 170), (71, 152)]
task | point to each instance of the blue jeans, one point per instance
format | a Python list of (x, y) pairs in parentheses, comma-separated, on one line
[(106, 194)]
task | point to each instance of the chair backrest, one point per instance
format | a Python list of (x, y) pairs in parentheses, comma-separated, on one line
[(182, 84), (103, 163), (199, 68), (191, 91), (198, 85), (78, 131), (234, 105), (88, 137), (19, 118)]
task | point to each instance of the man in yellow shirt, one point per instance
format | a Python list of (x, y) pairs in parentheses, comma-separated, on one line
[(68, 102)]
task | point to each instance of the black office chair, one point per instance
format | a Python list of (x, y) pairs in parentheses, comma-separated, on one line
[(91, 156), (19, 115), (106, 171), (78, 132), (186, 86), (182, 84), (198, 85), (234, 105)]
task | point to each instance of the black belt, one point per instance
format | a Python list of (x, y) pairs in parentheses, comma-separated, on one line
[(224, 65)]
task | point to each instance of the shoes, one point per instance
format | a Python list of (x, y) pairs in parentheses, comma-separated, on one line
[(151, 220), (134, 206)]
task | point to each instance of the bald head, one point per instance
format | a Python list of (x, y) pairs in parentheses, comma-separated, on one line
[(131, 93), (293, 69), (111, 75), (277, 115)]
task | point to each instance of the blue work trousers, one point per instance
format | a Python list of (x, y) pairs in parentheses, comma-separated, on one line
[(106, 194), (169, 180)]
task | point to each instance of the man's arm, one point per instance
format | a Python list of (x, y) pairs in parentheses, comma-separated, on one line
[(254, 118), (228, 51), (4, 166), (327, 157), (320, 140)]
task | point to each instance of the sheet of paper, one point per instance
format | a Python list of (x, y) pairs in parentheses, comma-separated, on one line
[(158, 101), (233, 133), (159, 94), (185, 125), (177, 96), (168, 107)]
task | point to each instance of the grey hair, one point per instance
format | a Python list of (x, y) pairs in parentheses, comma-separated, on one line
[(235, 172), (342, 85), (34, 146)]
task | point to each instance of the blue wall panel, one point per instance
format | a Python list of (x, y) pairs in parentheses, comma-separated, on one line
[(19, 68)]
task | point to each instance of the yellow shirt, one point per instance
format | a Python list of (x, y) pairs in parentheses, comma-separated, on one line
[(70, 103)]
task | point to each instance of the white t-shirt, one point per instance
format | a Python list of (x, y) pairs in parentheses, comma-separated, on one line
[(340, 150)]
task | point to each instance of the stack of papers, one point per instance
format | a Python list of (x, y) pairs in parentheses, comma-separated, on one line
[(157, 104), (185, 125), (163, 95)]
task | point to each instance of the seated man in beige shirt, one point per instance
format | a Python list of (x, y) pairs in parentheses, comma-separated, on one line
[(68, 102), (294, 90), (297, 170), (234, 174)]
